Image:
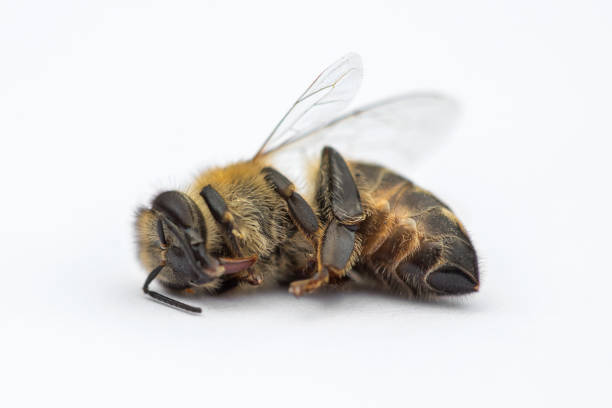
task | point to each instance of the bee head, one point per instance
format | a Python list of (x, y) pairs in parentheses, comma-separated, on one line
[(182, 230), (172, 239), (179, 245)]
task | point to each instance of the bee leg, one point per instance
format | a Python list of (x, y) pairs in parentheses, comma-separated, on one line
[(300, 211), (304, 218), (334, 251), (223, 216), (339, 199), (338, 193)]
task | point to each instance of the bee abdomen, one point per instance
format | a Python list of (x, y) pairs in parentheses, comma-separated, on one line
[(411, 241)]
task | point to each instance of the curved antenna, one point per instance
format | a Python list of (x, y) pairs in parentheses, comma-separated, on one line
[(165, 299)]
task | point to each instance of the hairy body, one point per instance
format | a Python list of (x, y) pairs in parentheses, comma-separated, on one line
[(247, 223), (405, 233)]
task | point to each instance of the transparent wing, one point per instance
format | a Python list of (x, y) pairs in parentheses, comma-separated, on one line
[(329, 94), (397, 132)]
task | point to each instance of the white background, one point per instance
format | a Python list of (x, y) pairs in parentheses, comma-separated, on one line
[(103, 105)]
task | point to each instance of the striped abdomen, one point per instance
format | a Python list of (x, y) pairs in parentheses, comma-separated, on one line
[(411, 241)]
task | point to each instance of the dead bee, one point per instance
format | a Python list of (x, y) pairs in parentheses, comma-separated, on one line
[(247, 222)]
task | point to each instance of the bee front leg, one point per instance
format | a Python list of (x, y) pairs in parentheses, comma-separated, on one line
[(224, 217), (340, 207)]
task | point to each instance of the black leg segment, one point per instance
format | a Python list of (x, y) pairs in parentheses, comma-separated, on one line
[(339, 189), (215, 203), (222, 215), (342, 212), (300, 211), (337, 246)]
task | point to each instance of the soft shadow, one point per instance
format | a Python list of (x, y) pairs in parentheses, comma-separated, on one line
[(334, 300), (326, 302)]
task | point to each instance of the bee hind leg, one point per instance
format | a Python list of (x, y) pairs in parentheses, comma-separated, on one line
[(334, 252), (340, 206)]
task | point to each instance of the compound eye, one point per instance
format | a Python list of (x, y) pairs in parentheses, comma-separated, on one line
[(181, 210), (176, 207)]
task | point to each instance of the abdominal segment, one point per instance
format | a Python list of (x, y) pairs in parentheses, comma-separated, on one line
[(412, 243)]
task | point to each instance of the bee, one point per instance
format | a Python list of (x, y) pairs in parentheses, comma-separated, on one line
[(247, 224)]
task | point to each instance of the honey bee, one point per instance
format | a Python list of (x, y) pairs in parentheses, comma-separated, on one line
[(247, 223)]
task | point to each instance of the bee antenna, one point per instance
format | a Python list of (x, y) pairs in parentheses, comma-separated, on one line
[(165, 299)]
